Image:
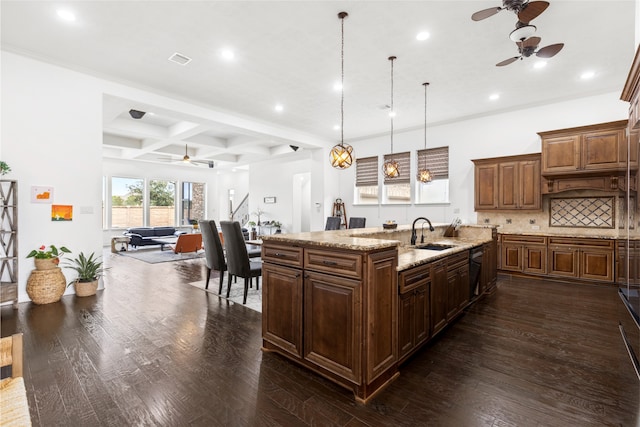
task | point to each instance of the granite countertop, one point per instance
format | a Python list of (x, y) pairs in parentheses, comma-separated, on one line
[(375, 238), (565, 234)]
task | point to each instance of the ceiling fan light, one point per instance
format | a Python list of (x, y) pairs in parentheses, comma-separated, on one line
[(341, 156), (522, 33), (390, 169), (425, 176)]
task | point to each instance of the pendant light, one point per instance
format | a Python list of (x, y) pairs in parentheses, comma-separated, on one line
[(424, 175), (390, 167), (341, 154)]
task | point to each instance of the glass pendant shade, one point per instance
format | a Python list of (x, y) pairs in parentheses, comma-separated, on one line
[(341, 156), (390, 169), (424, 176)]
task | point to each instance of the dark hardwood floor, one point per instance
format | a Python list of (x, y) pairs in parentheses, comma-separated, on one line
[(150, 350)]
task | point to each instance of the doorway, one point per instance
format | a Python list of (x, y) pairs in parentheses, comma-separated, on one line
[(301, 206)]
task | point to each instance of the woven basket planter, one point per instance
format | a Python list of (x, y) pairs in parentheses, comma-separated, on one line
[(85, 289), (46, 263), (46, 286)]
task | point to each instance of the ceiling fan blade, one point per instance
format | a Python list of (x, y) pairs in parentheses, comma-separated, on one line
[(531, 42), (532, 10), (483, 14), (549, 51), (209, 163), (508, 61)]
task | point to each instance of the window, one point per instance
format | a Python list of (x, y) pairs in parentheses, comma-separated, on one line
[(366, 189), (162, 203), (192, 202), (126, 202), (437, 161), (398, 190)]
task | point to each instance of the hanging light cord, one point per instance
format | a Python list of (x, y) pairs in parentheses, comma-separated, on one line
[(392, 58), (425, 114), (342, 16)]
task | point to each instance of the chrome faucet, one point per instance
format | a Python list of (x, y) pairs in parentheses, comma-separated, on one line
[(414, 235)]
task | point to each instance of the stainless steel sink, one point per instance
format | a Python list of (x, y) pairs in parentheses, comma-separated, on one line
[(435, 246)]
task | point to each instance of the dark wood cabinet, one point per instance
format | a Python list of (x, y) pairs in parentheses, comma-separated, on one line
[(508, 183), (413, 309), (457, 284), (333, 323), (587, 150), (486, 186), (282, 321), (627, 262), (583, 258), (489, 269), (333, 311), (524, 254), (439, 285)]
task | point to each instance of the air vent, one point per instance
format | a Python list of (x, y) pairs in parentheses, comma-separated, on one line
[(179, 58)]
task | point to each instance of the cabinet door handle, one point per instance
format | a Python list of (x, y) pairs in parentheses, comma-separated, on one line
[(333, 263), (297, 275), (279, 255)]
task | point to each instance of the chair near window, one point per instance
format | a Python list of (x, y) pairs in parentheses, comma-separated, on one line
[(357, 222), (238, 263), (333, 223), (214, 254)]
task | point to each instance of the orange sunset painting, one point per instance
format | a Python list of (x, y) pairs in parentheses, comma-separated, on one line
[(61, 212)]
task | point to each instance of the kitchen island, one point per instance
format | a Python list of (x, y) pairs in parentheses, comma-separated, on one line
[(352, 305)]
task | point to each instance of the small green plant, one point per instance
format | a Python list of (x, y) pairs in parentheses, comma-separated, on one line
[(88, 269), (43, 253), (4, 168), (252, 223)]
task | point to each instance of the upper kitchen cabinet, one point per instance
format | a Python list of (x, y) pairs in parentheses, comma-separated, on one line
[(508, 183), (587, 150), (631, 93)]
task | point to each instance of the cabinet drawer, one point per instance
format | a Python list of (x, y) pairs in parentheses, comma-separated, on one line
[(286, 255), (339, 263), (577, 243), (457, 260), (529, 240), (414, 278)]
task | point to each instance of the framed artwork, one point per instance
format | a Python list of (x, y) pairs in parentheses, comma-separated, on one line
[(61, 213), (41, 194), (269, 200)]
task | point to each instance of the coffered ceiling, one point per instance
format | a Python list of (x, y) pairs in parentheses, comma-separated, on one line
[(288, 53)]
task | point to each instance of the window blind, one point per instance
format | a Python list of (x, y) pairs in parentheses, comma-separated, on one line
[(404, 168), (436, 160), (367, 171)]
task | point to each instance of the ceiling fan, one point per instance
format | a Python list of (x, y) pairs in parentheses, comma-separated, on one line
[(529, 47), (187, 159), (526, 10)]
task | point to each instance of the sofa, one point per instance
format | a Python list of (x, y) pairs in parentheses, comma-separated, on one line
[(144, 236)]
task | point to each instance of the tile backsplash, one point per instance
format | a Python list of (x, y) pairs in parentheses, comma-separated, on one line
[(579, 213)]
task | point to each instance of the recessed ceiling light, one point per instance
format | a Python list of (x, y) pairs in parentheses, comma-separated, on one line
[(392, 113), (227, 54), (494, 96), (336, 127), (67, 15), (337, 86), (587, 75), (540, 64), (279, 108), (422, 35)]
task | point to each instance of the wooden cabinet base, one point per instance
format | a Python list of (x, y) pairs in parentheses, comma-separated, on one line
[(362, 393)]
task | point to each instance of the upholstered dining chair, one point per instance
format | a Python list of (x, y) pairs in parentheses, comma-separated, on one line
[(238, 262), (214, 254), (357, 222), (333, 223)]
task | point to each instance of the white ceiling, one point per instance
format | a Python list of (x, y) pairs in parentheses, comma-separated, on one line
[(288, 52)]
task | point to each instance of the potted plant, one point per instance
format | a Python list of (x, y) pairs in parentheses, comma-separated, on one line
[(47, 258), (89, 270), (4, 168), (277, 225)]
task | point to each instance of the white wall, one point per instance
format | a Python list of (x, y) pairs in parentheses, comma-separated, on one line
[(490, 136)]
